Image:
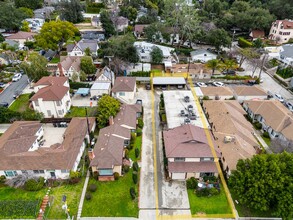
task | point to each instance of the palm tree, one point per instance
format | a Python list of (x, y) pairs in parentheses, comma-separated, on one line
[(213, 64)]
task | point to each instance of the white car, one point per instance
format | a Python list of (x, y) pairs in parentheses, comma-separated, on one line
[(279, 97), (201, 84), (16, 77), (218, 84)]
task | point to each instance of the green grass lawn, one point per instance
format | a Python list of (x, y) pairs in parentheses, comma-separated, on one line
[(55, 60), (209, 205), (243, 211), (112, 199), (137, 144), (80, 112), (267, 140), (74, 39), (21, 103), (72, 193)]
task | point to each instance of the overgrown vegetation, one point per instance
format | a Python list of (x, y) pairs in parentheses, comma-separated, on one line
[(286, 72)]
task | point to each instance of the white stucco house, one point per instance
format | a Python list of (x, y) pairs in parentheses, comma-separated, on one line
[(100, 88), (41, 150), (78, 49), (21, 37), (105, 75), (68, 66), (281, 31), (202, 55), (243, 93), (124, 88), (52, 96)]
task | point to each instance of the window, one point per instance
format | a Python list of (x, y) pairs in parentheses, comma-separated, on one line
[(106, 172), (24, 172), (36, 103), (122, 93), (38, 171), (64, 171), (206, 159), (49, 113), (179, 159), (58, 103), (59, 112), (10, 173)]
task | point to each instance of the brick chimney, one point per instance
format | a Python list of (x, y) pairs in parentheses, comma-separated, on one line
[(91, 154), (111, 120)]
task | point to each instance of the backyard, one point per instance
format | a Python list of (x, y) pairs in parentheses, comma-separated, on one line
[(216, 205), (21, 103), (80, 112), (137, 144), (267, 140), (112, 198)]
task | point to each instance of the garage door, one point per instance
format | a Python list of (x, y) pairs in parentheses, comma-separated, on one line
[(178, 176)]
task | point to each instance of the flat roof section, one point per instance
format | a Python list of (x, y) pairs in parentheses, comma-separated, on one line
[(169, 81), (174, 104)]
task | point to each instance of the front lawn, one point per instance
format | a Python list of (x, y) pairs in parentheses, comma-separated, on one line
[(21, 103), (112, 199), (137, 144), (267, 140), (72, 193), (217, 204), (80, 112), (55, 60)]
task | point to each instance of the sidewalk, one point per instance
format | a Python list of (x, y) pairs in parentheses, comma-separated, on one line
[(83, 195)]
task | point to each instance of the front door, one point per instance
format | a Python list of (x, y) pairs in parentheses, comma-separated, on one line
[(53, 175)]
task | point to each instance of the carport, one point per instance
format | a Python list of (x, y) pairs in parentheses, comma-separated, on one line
[(83, 91), (165, 82)]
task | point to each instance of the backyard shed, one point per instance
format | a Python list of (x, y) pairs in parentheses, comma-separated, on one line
[(100, 88)]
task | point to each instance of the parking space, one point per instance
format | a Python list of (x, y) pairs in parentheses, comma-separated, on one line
[(80, 101), (179, 110), (51, 131)]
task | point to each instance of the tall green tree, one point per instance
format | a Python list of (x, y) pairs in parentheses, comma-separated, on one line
[(128, 12), (87, 65), (107, 106), (265, 183), (28, 13), (32, 4), (107, 23), (157, 55), (219, 38), (71, 11), (25, 26), (10, 17), (54, 33), (213, 64), (1, 38), (36, 67)]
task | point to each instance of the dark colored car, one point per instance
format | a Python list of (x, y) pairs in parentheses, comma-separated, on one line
[(148, 87), (4, 104)]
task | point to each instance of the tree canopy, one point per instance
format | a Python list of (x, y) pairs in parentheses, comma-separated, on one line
[(54, 33), (107, 23), (32, 4), (87, 65), (71, 11), (107, 106), (157, 55), (265, 182), (10, 17), (36, 68)]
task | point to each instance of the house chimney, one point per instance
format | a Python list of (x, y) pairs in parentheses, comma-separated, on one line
[(111, 120), (91, 154)]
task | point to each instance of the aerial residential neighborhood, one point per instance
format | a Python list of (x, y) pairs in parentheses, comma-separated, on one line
[(146, 109)]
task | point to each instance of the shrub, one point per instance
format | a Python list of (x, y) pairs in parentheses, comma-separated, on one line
[(210, 178), (136, 152), (258, 125), (203, 192), (266, 134), (93, 187), (191, 183), (116, 176), (125, 168), (74, 180), (214, 191), (96, 175), (88, 196), (34, 185), (77, 85), (141, 73), (138, 132), (31, 94), (74, 174), (135, 166), (134, 177), (2, 179), (126, 154), (244, 43), (140, 123), (205, 97), (132, 193)]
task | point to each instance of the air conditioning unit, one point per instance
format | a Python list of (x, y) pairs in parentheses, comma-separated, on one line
[(228, 139)]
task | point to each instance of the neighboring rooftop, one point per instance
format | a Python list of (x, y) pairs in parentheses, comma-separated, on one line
[(249, 91), (275, 115), (214, 91), (51, 80), (227, 120), (101, 85), (124, 84), (169, 81), (21, 35), (51, 93), (127, 115)]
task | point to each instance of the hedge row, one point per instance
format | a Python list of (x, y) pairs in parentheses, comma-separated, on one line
[(244, 43)]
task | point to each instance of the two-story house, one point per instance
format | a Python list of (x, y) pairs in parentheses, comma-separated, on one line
[(79, 49), (51, 96), (35, 149), (124, 88), (281, 31), (68, 66), (21, 37), (188, 153)]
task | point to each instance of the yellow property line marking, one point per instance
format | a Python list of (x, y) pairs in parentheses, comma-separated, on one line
[(155, 148), (211, 144)]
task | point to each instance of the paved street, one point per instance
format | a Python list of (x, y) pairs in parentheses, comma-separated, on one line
[(7, 94)]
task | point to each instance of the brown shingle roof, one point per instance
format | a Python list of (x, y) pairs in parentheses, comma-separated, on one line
[(192, 167), (286, 24), (51, 93), (51, 80), (249, 91), (226, 119), (275, 114), (21, 35), (58, 156), (186, 141), (127, 115), (139, 27), (257, 34), (213, 91), (124, 84), (67, 61)]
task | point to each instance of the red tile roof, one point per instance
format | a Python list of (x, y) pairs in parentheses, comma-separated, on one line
[(288, 24), (51, 80), (51, 93)]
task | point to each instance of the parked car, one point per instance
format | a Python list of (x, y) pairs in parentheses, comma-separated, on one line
[(93, 141), (2, 85), (148, 86), (186, 121), (279, 97), (270, 95), (16, 94), (139, 101), (229, 72), (4, 104), (201, 84), (186, 98), (16, 77), (289, 106), (218, 84)]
